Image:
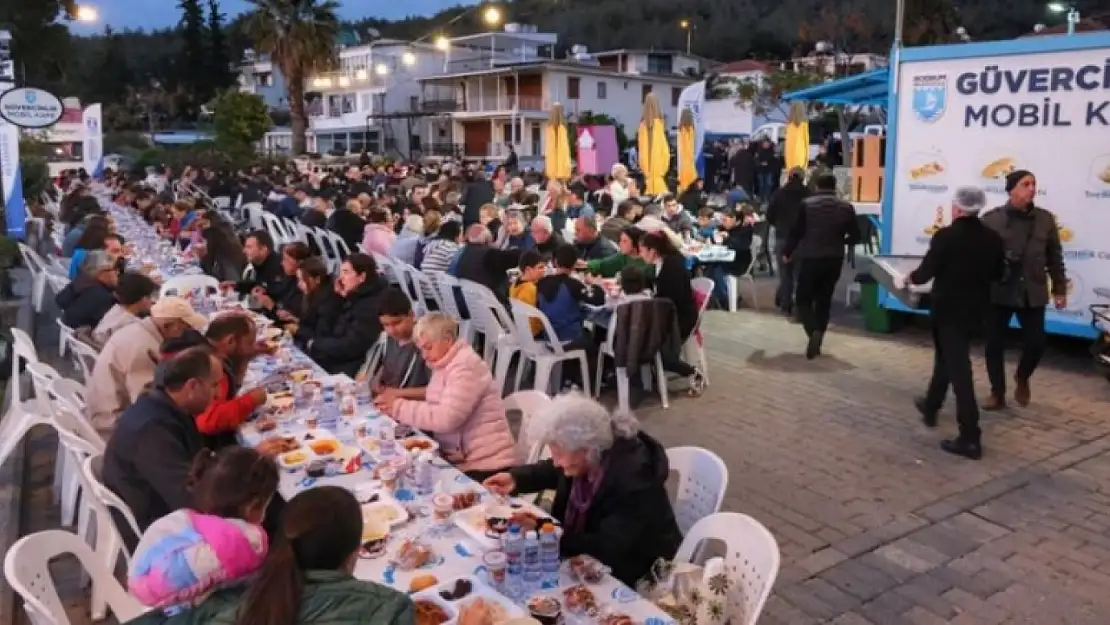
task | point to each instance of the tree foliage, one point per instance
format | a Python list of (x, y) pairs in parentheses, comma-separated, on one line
[(219, 63), (40, 42), (194, 61), (241, 119), (299, 36), (764, 94)]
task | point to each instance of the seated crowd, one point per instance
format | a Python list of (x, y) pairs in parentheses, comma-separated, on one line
[(168, 389)]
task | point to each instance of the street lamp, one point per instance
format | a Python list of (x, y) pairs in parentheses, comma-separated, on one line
[(443, 43), (689, 27), (408, 59), (87, 13), (1072, 13), (492, 15), (381, 69)]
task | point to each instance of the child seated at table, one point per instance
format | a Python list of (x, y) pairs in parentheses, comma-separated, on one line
[(707, 224), (403, 374), (532, 269), (188, 554), (561, 296), (633, 285)]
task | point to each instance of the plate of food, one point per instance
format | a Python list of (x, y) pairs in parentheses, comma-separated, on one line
[(316, 435), (487, 523), (301, 375), (385, 510), (580, 599), (294, 460), (431, 610), (464, 592), (270, 334), (325, 448), (586, 569), (281, 400), (417, 444)]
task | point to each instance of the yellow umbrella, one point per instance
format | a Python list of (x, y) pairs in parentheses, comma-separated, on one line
[(556, 147), (687, 160), (655, 154), (795, 152)]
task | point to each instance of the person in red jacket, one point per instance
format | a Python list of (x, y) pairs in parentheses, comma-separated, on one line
[(231, 336)]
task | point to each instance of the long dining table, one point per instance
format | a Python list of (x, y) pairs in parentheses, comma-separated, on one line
[(330, 433)]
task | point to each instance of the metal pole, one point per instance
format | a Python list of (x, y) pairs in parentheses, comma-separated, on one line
[(689, 34), (1073, 20), (899, 22)]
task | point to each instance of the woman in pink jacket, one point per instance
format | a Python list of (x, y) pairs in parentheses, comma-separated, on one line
[(378, 236), (462, 406)]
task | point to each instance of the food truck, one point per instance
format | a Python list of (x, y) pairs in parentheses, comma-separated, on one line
[(971, 113)]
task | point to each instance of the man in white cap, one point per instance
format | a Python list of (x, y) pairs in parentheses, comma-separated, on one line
[(963, 260), (127, 361)]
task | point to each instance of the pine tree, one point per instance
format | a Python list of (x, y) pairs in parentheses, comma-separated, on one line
[(194, 68), (220, 75), (114, 73)]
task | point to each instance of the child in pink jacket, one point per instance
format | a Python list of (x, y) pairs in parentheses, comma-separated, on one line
[(185, 555), (462, 406)]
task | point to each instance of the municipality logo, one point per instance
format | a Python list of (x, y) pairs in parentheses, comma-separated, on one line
[(31, 96), (930, 95)]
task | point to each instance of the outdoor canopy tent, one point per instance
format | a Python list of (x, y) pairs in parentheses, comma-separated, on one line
[(867, 89)]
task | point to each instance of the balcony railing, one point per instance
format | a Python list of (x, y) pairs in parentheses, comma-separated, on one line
[(486, 104), (346, 79)]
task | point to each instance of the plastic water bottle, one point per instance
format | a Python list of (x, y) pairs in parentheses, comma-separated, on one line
[(533, 569), (549, 554), (424, 474), (512, 545)]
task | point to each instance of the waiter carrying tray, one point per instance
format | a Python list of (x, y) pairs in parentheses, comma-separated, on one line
[(963, 260)]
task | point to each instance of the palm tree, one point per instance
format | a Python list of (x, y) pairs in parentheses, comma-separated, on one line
[(299, 36)]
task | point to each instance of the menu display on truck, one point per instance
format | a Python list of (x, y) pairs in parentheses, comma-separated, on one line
[(971, 114)]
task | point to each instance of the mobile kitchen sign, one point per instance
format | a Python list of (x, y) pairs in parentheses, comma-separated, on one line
[(28, 107)]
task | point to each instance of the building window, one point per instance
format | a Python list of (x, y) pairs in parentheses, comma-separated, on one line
[(537, 144), (573, 85), (660, 64), (265, 79), (348, 103), (676, 93), (602, 90), (644, 91)]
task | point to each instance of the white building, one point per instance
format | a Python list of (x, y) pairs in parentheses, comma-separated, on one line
[(468, 96), (484, 111)]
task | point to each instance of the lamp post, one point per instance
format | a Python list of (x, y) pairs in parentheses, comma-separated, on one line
[(688, 26), (1070, 10)]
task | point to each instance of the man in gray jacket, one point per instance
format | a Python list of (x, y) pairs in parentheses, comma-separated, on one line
[(1033, 256)]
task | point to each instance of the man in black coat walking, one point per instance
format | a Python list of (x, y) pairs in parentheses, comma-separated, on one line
[(962, 262), (742, 166)]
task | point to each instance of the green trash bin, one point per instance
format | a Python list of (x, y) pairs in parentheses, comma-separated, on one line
[(875, 317)]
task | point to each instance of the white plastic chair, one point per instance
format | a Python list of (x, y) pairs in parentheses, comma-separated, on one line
[(272, 224), (99, 503), (448, 286), (341, 248), (65, 335), (386, 265), (221, 202), (84, 356), (56, 282), (23, 414), (424, 286), (27, 569), (328, 251), (183, 285), (702, 482), (253, 212), (545, 355), (694, 350), (37, 266), (624, 401), (752, 559), (489, 318), (733, 282), (528, 403)]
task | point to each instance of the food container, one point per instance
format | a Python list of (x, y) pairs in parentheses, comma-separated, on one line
[(317, 468), (301, 375), (325, 448), (496, 563), (294, 460), (443, 506), (546, 609), (417, 444), (388, 476), (311, 422), (885, 269), (459, 593), (311, 435), (386, 510), (485, 524)]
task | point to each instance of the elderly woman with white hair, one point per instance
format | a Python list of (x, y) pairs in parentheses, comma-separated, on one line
[(514, 234), (462, 405), (609, 479), (963, 261), (618, 187)]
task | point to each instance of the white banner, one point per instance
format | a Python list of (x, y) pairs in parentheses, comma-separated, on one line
[(972, 121), (93, 141), (11, 180)]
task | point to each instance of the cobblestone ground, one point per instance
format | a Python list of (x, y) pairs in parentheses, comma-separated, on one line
[(876, 525)]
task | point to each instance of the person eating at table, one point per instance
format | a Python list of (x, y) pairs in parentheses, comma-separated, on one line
[(127, 361), (462, 404), (134, 298), (342, 347), (283, 294), (263, 271), (87, 299), (736, 233), (628, 253), (321, 302), (609, 479), (307, 577), (147, 459), (672, 281), (590, 244), (402, 372)]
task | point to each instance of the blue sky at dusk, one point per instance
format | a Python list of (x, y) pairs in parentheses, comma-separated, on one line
[(120, 14)]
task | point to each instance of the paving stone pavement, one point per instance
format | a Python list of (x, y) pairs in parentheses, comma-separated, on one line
[(876, 525)]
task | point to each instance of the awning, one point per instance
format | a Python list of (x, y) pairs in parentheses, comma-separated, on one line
[(867, 89)]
